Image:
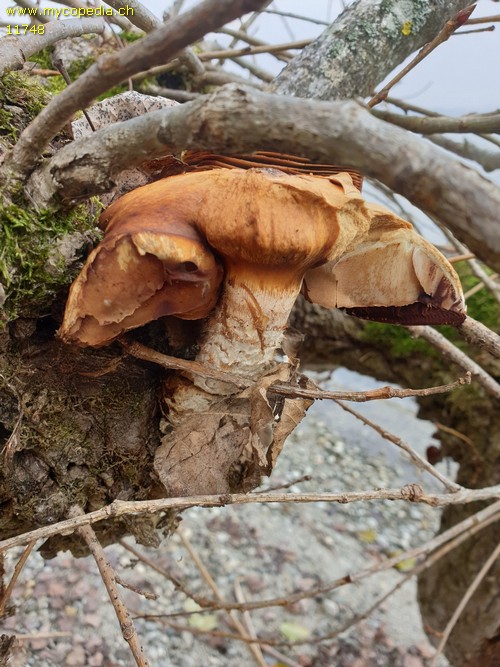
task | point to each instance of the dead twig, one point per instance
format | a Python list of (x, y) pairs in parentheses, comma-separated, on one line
[(205, 603), (457, 356), (474, 123), (453, 536), (232, 617), (15, 576), (363, 396), (465, 600), (399, 442), (299, 17), (224, 54), (448, 29), (147, 354), (242, 36), (439, 549), (410, 492), (109, 579)]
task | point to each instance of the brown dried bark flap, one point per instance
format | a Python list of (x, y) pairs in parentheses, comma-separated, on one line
[(289, 164)]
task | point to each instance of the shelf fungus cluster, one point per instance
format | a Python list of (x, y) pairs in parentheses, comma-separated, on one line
[(233, 241)]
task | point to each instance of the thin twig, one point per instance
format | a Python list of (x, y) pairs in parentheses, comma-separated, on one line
[(488, 160), (147, 354), (64, 73), (15, 576), (299, 17), (224, 54), (411, 492), (282, 659), (253, 41), (457, 356), (381, 393), (484, 19), (406, 106), (441, 546), (399, 442), (490, 28), (474, 123), (467, 528), (207, 577), (109, 579), (448, 29), (465, 600), (134, 589)]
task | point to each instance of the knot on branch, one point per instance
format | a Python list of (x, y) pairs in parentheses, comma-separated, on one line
[(412, 492)]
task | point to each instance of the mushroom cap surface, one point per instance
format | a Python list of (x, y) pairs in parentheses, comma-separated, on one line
[(143, 269), (394, 275)]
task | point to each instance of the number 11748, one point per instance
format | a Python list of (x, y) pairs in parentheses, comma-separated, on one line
[(25, 28)]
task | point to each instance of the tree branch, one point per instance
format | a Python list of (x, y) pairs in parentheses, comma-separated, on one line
[(112, 69), (457, 356), (118, 508), (15, 51), (476, 123), (241, 119), (444, 34), (108, 576), (488, 160), (477, 334), (145, 20), (340, 64)]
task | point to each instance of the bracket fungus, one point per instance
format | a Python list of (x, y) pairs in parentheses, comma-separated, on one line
[(235, 240)]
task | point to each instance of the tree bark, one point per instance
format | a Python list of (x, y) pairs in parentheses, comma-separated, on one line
[(366, 42)]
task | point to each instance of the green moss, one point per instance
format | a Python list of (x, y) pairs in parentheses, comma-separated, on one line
[(129, 36), (482, 305), (27, 241), (397, 339), (23, 93), (43, 58)]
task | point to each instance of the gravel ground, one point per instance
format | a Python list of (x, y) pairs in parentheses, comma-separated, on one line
[(66, 619)]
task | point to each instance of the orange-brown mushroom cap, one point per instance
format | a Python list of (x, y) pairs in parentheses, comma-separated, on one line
[(394, 275), (143, 269), (158, 256)]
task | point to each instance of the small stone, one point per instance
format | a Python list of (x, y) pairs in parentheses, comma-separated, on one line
[(426, 650), (95, 660), (39, 644), (255, 583), (76, 657), (92, 619), (70, 611), (412, 661)]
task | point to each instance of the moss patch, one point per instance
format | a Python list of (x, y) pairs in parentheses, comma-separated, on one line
[(22, 98), (27, 241)]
